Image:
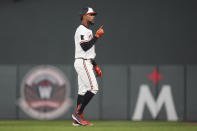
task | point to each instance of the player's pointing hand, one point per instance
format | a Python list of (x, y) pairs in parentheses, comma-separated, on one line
[(99, 32), (102, 26)]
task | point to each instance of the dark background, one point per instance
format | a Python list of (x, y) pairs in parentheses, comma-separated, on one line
[(136, 31)]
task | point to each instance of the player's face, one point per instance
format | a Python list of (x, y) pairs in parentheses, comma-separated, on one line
[(90, 17)]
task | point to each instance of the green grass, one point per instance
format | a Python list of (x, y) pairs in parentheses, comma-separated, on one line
[(30, 125)]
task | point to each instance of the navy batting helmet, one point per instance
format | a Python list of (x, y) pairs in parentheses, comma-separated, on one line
[(86, 10)]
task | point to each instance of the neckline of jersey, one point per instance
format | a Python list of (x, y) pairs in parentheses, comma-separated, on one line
[(85, 26)]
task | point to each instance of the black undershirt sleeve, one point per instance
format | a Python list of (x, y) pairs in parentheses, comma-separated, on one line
[(87, 45), (93, 62)]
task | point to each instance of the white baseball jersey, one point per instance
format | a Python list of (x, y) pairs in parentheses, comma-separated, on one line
[(83, 34)]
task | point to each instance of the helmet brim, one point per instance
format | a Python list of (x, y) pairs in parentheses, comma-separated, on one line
[(92, 13)]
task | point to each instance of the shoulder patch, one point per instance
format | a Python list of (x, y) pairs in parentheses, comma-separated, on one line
[(90, 36), (82, 37)]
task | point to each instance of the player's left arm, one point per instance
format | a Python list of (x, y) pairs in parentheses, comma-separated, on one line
[(87, 45), (96, 68)]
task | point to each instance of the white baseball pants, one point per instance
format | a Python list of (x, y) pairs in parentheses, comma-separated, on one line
[(86, 77)]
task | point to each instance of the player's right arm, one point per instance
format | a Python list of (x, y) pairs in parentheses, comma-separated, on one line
[(96, 68)]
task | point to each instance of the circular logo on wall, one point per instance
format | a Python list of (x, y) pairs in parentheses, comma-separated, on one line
[(45, 93)]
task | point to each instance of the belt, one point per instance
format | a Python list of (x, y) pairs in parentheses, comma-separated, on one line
[(84, 58), (91, 59)]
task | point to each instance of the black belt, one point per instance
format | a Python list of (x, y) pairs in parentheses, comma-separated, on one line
[(84, 58), (91, 59)]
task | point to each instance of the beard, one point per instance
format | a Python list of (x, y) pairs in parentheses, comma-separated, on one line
[(90, 23)]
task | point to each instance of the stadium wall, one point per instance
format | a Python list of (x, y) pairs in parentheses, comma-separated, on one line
[(133, 92)]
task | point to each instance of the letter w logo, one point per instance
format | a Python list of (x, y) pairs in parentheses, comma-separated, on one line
[(45, 92)]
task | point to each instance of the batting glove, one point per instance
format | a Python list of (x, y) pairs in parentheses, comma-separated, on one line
[(99, 32), (98, 71)]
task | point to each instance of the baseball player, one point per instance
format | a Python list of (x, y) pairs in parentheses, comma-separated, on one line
[(85, 63)]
